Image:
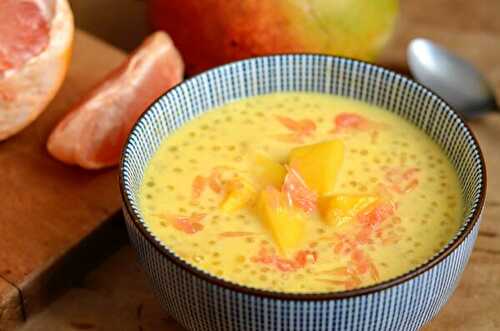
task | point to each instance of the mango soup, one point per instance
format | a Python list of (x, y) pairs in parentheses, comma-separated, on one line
[(301, 192)]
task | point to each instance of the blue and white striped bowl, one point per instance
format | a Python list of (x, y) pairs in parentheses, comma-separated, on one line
[(200, 301)]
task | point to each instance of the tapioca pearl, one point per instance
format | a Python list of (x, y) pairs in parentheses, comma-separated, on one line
[(231, 148), (263, 278), (321, 231), (182, 210), (149, 196), (415, 262), (228, 119), (250, 240), (212, 242), (265, 269), (173, 149), (163, 224), (198, 258), (240, 259)]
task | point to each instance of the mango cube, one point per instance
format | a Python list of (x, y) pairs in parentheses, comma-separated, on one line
[(319, 164), (268, 171), (286, 224), (239, 194), (340, 209)]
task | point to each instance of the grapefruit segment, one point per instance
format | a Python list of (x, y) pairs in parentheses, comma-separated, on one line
[(92, 134), (35, 49)]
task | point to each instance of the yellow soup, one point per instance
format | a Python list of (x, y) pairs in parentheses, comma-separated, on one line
[(301, 192)]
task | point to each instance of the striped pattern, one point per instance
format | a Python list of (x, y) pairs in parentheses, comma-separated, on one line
[(202, 302)]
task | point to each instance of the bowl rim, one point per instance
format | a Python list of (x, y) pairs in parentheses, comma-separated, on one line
[(309, 296)]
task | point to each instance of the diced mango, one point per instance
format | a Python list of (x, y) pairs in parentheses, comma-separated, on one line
[(319, 164), (239, 194), (286, 224), (268, 171), (342, 208)]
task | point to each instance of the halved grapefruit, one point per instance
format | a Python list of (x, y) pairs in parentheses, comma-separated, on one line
[(35, 48), (92, 134)]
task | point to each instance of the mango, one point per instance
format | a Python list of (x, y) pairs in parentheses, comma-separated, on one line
[(268, 171), (340, 209), (286, 224), (213, 32), (239, 194), (319, 164)]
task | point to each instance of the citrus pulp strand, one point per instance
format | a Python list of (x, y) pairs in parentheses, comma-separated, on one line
[(24, 32), (297, 192)]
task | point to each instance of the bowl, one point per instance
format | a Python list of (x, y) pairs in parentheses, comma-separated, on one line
[(200, 301)]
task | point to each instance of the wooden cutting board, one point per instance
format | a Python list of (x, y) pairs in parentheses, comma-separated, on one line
[(54, 218)]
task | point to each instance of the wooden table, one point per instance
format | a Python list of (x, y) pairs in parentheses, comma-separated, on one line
[(116, 296)]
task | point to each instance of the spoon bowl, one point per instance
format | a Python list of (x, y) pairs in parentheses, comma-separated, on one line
[(454, 79)]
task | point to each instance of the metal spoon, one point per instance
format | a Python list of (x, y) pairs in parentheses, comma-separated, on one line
[(451, 77)]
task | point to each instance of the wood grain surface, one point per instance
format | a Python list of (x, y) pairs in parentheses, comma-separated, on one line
[(10, 306), (116, 295), (48, 209)]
